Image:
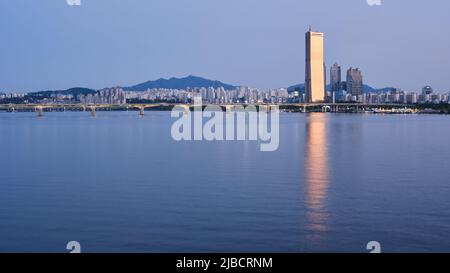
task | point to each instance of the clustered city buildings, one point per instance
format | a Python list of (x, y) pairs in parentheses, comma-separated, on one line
[(104, 96), (117, 95), (352, 90), (246, 95), (12, 95), (338, 92)]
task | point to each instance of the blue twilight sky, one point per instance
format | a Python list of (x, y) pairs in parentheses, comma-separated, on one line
[(47, 44)]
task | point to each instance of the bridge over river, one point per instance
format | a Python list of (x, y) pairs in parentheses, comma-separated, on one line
[(300, 107)]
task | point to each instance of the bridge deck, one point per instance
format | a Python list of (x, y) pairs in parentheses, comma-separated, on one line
[(139, 106)]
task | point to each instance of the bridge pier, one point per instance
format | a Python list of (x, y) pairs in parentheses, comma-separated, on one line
[(327, 108), (228, 109), (141, 111), (186, 108), (93, 111), (265, 108), (305, 110), (40, 111)]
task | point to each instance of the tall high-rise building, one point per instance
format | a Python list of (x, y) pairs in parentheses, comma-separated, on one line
[(335, 80), (315, 67), (354, 82)]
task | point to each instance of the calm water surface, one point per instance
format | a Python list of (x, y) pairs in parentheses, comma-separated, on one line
[(119, 183)]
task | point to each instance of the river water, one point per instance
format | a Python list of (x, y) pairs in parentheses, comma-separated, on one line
[(120, 183)]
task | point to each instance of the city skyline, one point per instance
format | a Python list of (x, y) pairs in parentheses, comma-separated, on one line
[(82, 46), (315, 89)]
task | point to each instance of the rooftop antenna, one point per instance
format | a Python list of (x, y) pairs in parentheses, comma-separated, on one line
[(310, 29)]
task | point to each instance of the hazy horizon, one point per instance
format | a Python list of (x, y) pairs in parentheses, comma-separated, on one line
[(49, 45)]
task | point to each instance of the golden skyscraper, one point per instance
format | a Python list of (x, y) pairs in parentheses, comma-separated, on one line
[(315, 67)]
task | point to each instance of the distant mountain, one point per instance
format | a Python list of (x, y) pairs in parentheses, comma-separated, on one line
[(366, 88), (369, 89), (37, 97), (298, 87), (180, 83), (72, 91)]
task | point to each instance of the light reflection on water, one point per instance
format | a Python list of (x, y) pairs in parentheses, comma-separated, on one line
[(316, 176)]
